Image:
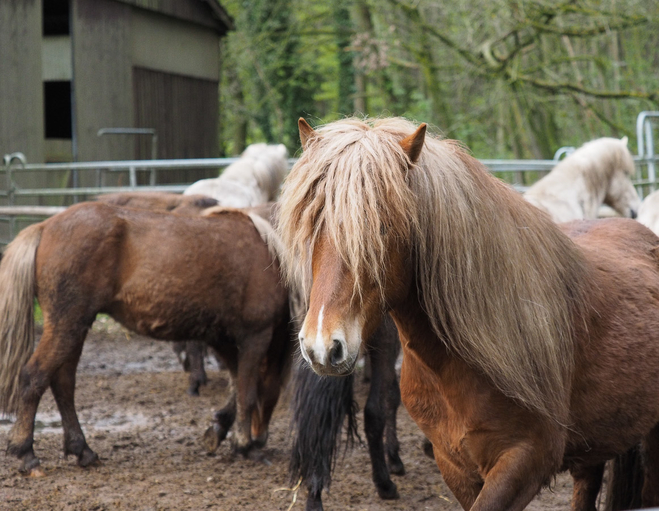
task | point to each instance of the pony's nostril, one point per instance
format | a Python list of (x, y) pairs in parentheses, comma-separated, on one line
[(336, 353), (633, 213)]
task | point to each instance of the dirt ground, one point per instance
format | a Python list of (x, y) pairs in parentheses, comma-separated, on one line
[(136, 415)]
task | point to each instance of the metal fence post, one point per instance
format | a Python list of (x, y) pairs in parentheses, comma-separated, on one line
[(11, 186), (649, 151), (644, 139)]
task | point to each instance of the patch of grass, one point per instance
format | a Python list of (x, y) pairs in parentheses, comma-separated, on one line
[(38, 314)]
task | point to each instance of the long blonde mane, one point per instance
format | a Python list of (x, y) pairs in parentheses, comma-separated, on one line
[(501, 285)]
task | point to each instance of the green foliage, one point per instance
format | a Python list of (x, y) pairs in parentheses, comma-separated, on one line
[(38, 314), (510, 78)]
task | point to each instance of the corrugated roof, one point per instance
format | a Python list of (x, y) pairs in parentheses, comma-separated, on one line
[(209, 13), (221, 13)]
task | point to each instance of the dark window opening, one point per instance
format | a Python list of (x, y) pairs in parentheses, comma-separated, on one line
[(57, 109), (55, 17)]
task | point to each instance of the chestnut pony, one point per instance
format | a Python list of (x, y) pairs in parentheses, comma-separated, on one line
[(529, 348), (170, 277)]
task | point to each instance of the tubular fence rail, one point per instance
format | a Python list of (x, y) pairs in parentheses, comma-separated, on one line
[(520, 173)]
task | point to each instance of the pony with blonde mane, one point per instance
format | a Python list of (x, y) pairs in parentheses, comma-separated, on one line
[(524, 351), (253, 180), (597, 173)]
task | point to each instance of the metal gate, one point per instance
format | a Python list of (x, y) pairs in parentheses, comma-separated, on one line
[(20, 205)]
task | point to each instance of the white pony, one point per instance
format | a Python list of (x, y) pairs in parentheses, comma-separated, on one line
[(253, 180), (597, 173), (648, 213)]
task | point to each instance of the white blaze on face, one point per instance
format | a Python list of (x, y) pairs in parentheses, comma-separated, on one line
[(319, 345)]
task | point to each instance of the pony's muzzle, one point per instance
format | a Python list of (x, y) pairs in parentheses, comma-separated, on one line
[(333, 360)]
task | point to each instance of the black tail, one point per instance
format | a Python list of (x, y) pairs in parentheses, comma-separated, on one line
[(320, 406), (626, 481)]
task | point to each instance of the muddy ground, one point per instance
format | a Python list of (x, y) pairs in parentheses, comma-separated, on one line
[(136, 415)]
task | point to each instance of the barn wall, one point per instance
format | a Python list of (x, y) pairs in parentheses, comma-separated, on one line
[(21, 93), (102, 74), (166, 44), (183, 110)]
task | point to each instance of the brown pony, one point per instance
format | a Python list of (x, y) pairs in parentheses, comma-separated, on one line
[(188, 205), (529, 348), (166, 276), (191, 354)]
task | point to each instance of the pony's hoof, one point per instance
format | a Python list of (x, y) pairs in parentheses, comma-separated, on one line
[(260, 441), (397, 467), (258, 456), (88, 458), (213, 438), (388, 490), (193, 392), (31, 464), (314, 502), (36, 472)]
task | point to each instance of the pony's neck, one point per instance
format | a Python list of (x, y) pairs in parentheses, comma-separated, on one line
[(417, 334)]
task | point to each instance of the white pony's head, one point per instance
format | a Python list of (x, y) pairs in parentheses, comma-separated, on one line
[(621, 194)]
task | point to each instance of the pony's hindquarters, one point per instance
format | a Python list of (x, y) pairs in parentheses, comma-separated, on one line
[(17, 284)]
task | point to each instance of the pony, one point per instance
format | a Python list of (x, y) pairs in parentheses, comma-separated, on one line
[(189, 205), (254, 179), (166, 276), (597, 173), (529, 347), (321, 406), (191, 354), (648, 213)]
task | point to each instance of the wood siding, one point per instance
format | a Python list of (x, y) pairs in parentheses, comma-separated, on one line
[(102, 78), (21, 94), (184, 112)]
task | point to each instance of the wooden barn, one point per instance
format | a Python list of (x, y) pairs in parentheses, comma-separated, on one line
[(69, 68)]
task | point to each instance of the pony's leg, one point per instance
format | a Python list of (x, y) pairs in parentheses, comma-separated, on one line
[(650, 494), (374, 420), (269, 390), (63, 387), (587, 485), (195, 360), (53, 350), (222, 422), (226, 416), (393, 402), (250, 358), (516, 478)]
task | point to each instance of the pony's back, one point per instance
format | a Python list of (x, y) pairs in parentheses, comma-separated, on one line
[(579, 184), (253, 180)]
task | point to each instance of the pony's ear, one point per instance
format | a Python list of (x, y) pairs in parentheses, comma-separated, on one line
[(624, 140), (413, 144), (306, 132)]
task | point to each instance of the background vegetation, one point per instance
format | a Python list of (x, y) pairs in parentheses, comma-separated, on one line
[(510, 78)]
